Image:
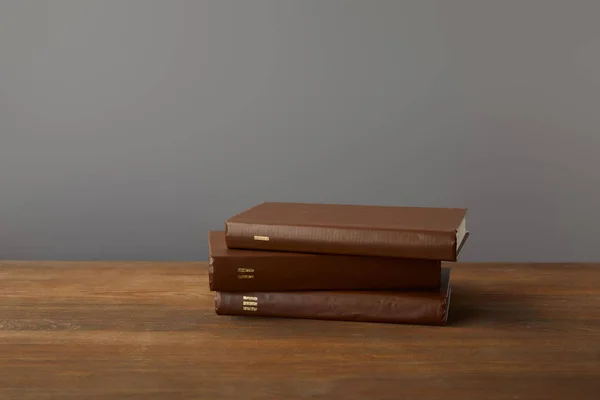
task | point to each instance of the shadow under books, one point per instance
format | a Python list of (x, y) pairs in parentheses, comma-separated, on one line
[(472, 307)]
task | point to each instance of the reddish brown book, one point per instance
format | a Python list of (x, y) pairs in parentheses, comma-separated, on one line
[(232, 270), (389, 231), (400, 307)]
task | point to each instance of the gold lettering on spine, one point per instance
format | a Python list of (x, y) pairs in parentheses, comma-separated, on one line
[(245, 273), (263, 238), (250, 303)]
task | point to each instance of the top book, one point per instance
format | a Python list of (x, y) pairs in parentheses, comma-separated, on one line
[(365, 230)]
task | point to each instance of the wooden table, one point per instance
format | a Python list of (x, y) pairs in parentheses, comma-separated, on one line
[(137, 330)]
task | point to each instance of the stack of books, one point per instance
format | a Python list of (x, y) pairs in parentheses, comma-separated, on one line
[(342, 262)]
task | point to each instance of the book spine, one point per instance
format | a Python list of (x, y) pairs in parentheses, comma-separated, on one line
[(427, 245), (382, 307), (321, 272)]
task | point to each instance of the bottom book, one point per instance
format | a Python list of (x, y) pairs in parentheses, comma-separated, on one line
[(399, 307)]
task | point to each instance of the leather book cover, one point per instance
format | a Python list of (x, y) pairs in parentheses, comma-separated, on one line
[(388, 231), (234, 270), (399, 307)]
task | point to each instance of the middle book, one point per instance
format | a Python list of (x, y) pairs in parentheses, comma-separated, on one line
[(235, 270)]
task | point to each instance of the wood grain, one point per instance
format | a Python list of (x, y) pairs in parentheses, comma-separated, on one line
[(139, 330)]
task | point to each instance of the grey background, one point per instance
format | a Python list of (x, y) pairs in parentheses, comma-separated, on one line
[(128, 129)]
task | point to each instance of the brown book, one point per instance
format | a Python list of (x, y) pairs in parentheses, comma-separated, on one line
[(233, 270), (400, 307), (392, 231)]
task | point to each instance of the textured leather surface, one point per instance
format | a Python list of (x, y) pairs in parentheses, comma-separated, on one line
[(254, 270), (403, 307), (408, 232)]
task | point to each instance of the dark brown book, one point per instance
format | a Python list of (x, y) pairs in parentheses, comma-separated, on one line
[(233, 270), (400, 307), (389, 231)]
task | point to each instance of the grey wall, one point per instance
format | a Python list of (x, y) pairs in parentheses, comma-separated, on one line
[(128, 129)]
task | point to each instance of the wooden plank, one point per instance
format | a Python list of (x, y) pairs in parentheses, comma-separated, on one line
[(148, 330)]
